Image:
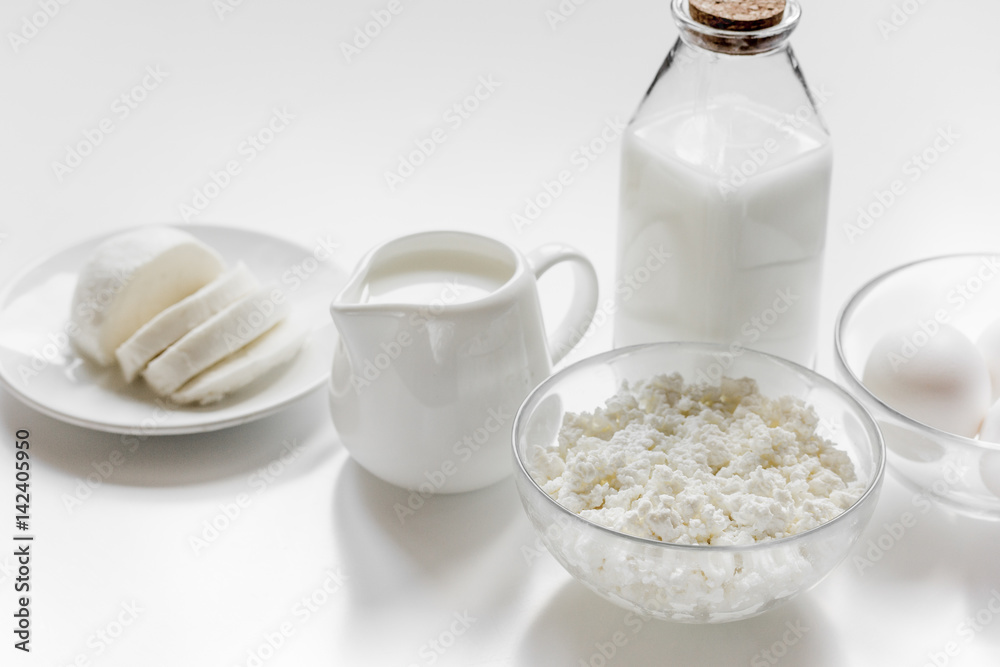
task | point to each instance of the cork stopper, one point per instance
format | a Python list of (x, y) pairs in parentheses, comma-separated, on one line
[(739, 15)]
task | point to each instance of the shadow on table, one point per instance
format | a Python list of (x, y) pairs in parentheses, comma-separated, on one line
[(921, 548), (454, 545), (579, 628), (98, 458)]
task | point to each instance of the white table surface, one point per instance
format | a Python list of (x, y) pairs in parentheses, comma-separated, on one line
[(317, 554)]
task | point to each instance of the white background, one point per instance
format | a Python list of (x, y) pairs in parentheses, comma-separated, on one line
[(890, 93)]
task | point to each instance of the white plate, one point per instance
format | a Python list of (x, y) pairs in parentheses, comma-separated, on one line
[(39, 366)]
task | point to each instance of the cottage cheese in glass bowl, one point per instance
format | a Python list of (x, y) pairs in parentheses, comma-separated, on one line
[(696, 483)]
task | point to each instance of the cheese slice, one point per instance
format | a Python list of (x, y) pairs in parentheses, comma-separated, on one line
[(276, 347), (157, 334), (216, 338), (129, 279)]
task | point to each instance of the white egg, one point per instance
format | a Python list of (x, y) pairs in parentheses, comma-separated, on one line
[(990, 431), (937, 377), (989, 467), (989, 344), (989, 470)]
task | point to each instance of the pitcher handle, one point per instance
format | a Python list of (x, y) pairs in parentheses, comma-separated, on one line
[(585, 293)]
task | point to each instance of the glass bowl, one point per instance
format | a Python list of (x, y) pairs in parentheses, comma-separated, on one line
[(694, 583), (960, 473)]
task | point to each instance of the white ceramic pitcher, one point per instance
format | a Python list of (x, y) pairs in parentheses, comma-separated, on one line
[(441, 339)]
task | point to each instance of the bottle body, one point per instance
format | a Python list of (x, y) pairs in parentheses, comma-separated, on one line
[(725, 173)]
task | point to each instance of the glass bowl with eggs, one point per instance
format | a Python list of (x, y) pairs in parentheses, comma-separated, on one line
[(696, 483), (919, 346)]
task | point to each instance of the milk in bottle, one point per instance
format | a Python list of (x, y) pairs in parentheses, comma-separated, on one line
[(726, 169)]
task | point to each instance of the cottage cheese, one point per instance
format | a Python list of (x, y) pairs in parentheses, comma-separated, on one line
[(698, 464)]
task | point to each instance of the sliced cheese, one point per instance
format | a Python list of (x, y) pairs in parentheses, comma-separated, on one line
[(236, 371), (156, 335), (222, 334), (130, 278)]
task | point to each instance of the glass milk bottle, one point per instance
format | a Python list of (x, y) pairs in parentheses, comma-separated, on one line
[(724, 188)]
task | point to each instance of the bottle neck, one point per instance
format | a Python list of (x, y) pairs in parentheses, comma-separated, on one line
[(733, 42)]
